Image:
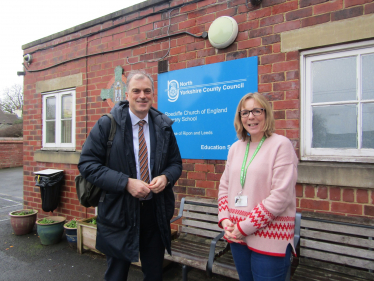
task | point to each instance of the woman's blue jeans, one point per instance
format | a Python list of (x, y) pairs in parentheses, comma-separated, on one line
[(252, 266)]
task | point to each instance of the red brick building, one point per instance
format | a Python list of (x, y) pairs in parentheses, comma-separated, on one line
[(308, 51), (11, 152)]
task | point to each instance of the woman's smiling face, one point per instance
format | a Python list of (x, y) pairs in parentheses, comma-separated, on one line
[(254, 125)]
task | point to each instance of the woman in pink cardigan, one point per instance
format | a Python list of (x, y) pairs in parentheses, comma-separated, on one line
[(257, 202)]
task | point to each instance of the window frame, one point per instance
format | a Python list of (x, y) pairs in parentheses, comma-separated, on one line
[(57, 144), (330, 154)]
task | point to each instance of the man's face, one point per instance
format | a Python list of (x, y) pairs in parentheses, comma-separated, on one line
[(140, 95)]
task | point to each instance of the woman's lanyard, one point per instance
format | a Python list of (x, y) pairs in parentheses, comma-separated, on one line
[(241, 201), (243, 173)]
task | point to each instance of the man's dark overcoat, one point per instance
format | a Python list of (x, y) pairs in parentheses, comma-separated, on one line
[(118, 221)]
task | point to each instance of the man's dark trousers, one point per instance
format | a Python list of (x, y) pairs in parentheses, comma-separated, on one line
[(150, 246)]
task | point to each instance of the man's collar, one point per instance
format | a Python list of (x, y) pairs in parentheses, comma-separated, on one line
[(135, 119)]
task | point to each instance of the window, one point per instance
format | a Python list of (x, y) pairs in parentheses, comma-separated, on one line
[(337, 103), (59, 119)]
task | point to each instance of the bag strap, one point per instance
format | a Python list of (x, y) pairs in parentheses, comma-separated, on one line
[(113, 128), (112, 132)]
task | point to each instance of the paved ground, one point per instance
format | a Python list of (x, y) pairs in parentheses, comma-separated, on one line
[(24, 258), (11, 191)]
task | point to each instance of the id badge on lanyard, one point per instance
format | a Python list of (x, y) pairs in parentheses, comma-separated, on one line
[(240, 199)]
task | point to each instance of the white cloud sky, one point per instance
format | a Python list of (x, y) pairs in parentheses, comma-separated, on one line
[(24, 21)]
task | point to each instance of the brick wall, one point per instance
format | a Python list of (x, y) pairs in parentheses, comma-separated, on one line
[(11, 152), (259, 35), (337, 200)]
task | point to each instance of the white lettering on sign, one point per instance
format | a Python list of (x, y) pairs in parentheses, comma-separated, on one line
[(232, 87), (197, 133), (190, 92), (195, 112), (213, 89), (189, 118), (213, 147), (175, 113), (217, 110), (182, 84)]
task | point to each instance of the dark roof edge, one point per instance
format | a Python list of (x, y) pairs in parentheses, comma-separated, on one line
[(120, 13)]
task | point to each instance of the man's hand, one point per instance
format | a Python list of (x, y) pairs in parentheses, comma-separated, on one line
[(137, 188), (158, 184)]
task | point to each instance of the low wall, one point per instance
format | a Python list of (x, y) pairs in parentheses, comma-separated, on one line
[(11, 152)]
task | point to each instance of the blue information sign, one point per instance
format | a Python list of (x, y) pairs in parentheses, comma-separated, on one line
[(202, 102)]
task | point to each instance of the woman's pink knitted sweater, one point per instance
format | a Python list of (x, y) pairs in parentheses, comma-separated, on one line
[(268, 219)]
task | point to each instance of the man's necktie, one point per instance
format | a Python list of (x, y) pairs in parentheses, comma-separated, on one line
[(143, 154)]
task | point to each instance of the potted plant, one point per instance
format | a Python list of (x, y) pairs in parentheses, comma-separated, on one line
[(86, 234), (23, 221), (50, 229), (71, 232)]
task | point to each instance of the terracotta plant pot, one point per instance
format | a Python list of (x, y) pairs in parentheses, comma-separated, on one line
[(22, 224), (51, 233)]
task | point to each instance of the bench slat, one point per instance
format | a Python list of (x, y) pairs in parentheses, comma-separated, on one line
[(195, 254), (306, 273), (202, 240), (337, 258), (225, 266), (202, 232), (195, 262), (317, 265), (204, 217), (355, 230), (203, 225), (329, 247), (202, 209), (195, 249), (191, 250), (202, 200), (225, 270), (337, 238)]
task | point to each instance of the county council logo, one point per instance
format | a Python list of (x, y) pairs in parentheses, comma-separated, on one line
[(173, 90)]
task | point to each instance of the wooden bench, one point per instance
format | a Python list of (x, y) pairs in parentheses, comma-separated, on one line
[(200, 242), (223, 264), (199, 226), (335, 248)]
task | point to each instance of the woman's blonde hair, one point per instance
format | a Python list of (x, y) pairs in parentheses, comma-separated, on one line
[(269, 116)]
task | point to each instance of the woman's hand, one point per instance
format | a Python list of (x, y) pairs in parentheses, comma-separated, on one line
[(228, 226), (236, 235), (231, 231)]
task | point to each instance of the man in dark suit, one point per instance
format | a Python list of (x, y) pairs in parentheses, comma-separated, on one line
[(137, 204)]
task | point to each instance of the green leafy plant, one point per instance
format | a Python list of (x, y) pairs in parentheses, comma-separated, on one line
[(72, 223), (46, 221), (23, 213), (93, 221)]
